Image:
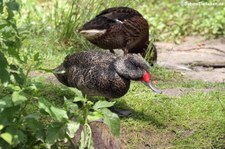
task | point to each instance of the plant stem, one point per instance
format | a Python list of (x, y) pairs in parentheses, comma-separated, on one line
[(71, 142)]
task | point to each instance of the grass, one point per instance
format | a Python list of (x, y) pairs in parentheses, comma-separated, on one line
[(193, 120)]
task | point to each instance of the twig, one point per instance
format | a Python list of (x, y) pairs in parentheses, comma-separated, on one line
[(209, 64), (71, 142), (199, 48)]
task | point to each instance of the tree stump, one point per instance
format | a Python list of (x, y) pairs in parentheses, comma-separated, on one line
[(102, 136)]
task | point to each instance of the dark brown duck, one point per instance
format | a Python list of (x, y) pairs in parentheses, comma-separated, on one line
[(118, 28), (101, 73)]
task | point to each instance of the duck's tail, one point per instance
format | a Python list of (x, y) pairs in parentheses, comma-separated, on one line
[(60, 74)]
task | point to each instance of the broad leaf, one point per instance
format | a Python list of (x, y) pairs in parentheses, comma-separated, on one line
[(34, 124), (17, 135), (4, 74), (35, 116), (7, 137), (112, 120), (72, 128), (76, 91), (93, 116), (13, 5), (103, 104), (1, 127), (1, 6), (70, 105), (36, 56), (18, 74), (44, 105), (55, 132), (17, 98), (78, 98), (56, 113), (6, 102), (8, 114)]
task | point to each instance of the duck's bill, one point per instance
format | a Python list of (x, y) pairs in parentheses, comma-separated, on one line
[(153, 88)]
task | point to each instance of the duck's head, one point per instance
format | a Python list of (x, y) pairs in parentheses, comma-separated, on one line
[(134, 67)]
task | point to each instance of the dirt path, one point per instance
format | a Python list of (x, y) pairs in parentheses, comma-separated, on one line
[(195, 57)]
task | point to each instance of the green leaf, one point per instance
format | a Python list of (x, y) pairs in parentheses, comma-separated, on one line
[(1, 6), (17, 98), (86, 138), (78, 98), (103, 104), (17, 135), (12, 5), (35, 116), (1, 127), (13, 51), (18, 74), (36, 126), (70, 105), (36, 56), (8, 114), (44, 105), (4, 74), (32, 121), (55, 132), (76, 91), (56, 113), (93, 116), (112, 120), (72, 128), (6, 102), (7, 137)]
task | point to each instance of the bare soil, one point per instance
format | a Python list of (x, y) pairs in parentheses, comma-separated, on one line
[(195, 57)]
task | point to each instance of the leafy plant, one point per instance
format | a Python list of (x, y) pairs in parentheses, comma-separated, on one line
[(26, 120)]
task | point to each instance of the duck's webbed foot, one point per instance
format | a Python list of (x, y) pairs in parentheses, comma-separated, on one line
[(119, 112), (112, 51)]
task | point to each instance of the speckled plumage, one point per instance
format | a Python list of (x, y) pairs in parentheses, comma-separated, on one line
[(122, 28), (101, 73)]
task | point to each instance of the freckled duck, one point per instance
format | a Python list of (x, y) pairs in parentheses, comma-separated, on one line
[(118, 28), (101, 73)]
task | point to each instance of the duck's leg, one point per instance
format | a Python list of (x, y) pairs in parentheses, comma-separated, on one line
[(125, 51)]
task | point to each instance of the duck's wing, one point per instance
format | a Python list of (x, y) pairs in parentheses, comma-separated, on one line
[(99, 23), (119, 13), (87, 59), (110, 17)]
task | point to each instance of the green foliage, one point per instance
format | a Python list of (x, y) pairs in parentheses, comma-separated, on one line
[(9, 37), (171, 20), (26, 120)]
